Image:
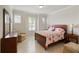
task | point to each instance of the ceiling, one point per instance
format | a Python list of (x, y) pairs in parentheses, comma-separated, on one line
[(35, 8)]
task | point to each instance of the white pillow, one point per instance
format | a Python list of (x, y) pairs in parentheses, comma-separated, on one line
[(51, 28)]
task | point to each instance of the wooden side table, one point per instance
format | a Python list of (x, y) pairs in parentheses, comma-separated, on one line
[(73, 38)]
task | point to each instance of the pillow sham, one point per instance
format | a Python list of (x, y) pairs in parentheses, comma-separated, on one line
[(51, 28), (60, 30)]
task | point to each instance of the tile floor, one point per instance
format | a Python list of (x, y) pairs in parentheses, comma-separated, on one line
[(30, 45)]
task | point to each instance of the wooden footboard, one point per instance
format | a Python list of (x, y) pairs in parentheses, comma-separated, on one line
[(41, 39)]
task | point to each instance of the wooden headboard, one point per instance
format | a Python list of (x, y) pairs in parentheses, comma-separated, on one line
[(61, 26)]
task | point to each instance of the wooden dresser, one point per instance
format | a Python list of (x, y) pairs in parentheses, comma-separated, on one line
[(9, 43), (73, 38)]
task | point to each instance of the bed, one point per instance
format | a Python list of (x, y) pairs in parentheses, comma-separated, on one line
[(42, 39)]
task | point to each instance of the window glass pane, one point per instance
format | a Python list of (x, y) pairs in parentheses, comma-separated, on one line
[(32, 23), (43, 19), (17, 19), (33, 28), (29, 28)]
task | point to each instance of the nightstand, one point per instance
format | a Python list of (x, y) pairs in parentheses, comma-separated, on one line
[(73, 38)]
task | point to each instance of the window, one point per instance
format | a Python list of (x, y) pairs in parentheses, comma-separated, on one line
[(43, 19), (32, 23), (17, 19)]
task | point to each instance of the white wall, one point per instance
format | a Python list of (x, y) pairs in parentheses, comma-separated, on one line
[(23, 26), (1, 23), (66, 16)]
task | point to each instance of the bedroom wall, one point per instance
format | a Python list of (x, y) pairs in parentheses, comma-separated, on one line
[(67, 16), (23, 26), (1, 18)]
